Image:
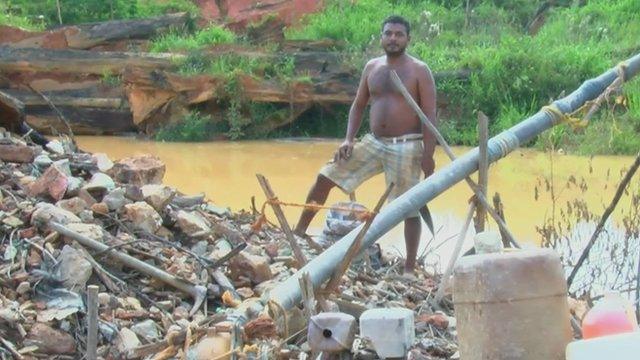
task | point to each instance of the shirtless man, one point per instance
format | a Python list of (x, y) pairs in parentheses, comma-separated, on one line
[(400, 145)]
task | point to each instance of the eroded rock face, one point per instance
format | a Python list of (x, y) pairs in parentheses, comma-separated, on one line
[(139, 170), (239, 13)]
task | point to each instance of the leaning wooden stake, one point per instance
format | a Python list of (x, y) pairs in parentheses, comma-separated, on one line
[(456, 252), (355, 245), (297, 252), (483, 169), (308, 297), (614, 202), (92, 322), (447, 149)]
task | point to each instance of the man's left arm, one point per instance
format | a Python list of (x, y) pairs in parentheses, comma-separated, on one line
[(427, 102)]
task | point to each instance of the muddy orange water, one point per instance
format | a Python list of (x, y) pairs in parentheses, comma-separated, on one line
[(225, 171)]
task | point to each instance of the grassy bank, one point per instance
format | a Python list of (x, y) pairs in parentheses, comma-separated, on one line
[(513, 73)]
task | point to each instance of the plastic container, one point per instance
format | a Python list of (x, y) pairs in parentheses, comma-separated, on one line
[(331, 332), (614, 347), (511, 306), (391, 331), (611, 315)]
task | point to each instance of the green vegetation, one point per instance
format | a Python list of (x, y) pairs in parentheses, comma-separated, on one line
[(35, 14), (514, 74), (177, 41), (194, 127)]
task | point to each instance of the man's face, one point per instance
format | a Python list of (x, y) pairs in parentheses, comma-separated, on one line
[(394, 39)]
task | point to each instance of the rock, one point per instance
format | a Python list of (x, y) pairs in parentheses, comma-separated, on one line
[(157, 196), (46, 212), (116, 199), (64, 166), (42, 161), (143, 216), (133, 192), (254, 267), (88, 198), (86, 216), (147, 330), (74, 185), (140, 170), (102, 161), (126, 341), (89, 230), (74, 205), (100, 208), (17, 153), (438, 320), (180, 313), (53, 182), (192, 222), (55, 146), (100, 182), (23, 288), (73, 269), (50, 341), (218, 210), (104, 299), (12, 222), (200, 248), (213, 346)]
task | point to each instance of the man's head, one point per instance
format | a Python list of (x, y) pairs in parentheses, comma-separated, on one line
[(395, 35)]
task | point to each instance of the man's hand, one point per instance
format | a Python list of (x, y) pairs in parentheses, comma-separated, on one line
[(344, 151), (428, 164)]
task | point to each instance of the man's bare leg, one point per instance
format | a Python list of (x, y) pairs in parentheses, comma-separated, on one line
[(318, 194), (412, 229)]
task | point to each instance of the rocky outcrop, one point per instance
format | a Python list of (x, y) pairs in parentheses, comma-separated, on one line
[(238, 13), (118, 35)]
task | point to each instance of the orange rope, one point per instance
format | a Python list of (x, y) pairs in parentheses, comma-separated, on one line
[(361, 215)]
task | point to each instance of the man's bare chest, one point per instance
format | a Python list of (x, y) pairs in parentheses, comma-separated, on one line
[(380, 83)]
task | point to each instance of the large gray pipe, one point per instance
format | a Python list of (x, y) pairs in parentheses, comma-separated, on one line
[(320, 268)]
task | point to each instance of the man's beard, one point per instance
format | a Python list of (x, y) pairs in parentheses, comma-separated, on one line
[(395, 51)]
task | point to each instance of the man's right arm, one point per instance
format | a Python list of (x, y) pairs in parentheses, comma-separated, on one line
[(355, 115)]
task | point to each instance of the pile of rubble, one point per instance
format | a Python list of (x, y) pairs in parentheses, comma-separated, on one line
[(172, 270)]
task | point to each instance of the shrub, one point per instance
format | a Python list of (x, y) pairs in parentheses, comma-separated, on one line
[(179, 41), (194, 127)]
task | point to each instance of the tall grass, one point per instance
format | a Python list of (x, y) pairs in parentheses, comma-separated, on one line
[(181, 41), (513, 73)]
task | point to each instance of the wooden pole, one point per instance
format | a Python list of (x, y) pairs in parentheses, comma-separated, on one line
[(447, 149), (92, 322), (297, 252), (483, 169), (354, 248), (456, 252), (198, 292), (59, 11)]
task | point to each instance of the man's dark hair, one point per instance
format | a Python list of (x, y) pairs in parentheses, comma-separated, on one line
[(396, 19)]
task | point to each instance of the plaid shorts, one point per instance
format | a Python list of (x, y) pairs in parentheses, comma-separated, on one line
[(399, 158)]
